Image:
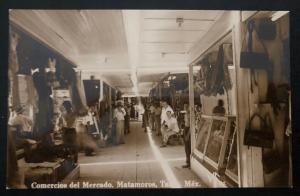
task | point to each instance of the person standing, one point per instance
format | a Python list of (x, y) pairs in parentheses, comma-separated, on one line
[(187, 136), (67, 121), (145, 117), (157, 113), (132, 111), (152, 116), (127, 119), (119, 117)]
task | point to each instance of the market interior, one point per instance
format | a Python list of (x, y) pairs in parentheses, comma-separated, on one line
[(148, 99)]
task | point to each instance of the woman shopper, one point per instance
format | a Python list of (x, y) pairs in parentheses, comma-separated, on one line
[(119, 117)]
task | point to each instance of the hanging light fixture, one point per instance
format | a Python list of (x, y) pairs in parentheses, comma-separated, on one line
[(179, 21)]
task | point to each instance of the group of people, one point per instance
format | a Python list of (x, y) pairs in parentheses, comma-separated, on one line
[(161, 119), (158, 116)]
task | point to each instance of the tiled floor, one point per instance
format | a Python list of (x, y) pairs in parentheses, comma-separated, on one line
[(138, 161)]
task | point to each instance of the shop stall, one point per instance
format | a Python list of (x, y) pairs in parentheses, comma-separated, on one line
[(40, 82), (228, 149)]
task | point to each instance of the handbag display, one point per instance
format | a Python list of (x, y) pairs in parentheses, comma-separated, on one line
[(254, 54), (266, 29), (259, 137)]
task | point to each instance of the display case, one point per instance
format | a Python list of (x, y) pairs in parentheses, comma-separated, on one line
[(216, 145)]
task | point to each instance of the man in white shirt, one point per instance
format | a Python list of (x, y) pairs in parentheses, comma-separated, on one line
[(169, 128), (164, 110)]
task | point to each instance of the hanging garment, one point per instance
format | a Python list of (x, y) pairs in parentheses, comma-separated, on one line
[(220, 79), (33, 95), (14, 85), (228, 54), (286, 59), (43, 123), (28, 94)]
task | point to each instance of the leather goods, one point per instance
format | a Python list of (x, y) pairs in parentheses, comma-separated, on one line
[(259, 137), (254, 53), (266, 29)]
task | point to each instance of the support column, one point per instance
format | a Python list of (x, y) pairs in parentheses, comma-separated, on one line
[(159, 91), (250, 167), (192, 106), (110, 110)]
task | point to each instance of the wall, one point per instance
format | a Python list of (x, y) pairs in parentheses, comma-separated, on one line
[(250, 168)]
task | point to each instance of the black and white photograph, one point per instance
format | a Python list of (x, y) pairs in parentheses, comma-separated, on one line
[(148, 99)]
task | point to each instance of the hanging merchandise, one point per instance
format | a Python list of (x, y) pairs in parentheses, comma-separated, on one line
[(220, 79), (28, 94), (45, 104), (228, 54), (67, 78), (266, 29), (271, 160), (254, 55), (203, 78), (13, 69), (286, 59), (180, 82), (262, 136)]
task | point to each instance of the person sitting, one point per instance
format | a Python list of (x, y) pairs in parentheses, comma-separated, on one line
[(169, 128), (219, 109), (164, 109), (85, 140)]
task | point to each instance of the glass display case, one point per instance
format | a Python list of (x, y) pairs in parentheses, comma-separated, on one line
[(216, 145), (231, 169)]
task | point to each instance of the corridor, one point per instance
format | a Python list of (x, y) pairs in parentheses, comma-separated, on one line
[(140, 160), (217, 78)]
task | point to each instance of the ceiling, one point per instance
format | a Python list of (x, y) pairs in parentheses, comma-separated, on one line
[(121, 46)]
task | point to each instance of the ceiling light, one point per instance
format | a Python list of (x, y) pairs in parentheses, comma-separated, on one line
[(278, 15), (179, 21)]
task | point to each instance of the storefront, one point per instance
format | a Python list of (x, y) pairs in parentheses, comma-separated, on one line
[(41, 82), (223, 154)]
